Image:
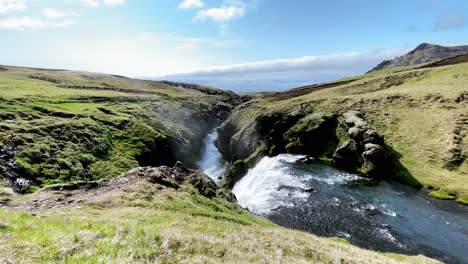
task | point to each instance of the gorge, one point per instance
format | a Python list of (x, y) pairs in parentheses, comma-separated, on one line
[(316, 198)]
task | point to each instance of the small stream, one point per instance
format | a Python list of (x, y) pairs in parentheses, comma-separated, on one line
[(322, 200)]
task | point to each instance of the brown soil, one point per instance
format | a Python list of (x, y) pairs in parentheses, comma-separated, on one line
[(77, 194), (306, 90)]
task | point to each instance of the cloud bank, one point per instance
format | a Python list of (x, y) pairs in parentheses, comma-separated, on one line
[(274, 75), (22, 23), (7, 6)]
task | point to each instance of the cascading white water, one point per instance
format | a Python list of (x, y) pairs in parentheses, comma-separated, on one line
[(272, 183), (212, 162)]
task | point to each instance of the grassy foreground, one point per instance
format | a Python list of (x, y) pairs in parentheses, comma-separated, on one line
[(422, 111), (150, 223)]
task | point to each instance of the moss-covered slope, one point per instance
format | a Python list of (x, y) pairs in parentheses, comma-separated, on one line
[(422, 112), (59, 126)]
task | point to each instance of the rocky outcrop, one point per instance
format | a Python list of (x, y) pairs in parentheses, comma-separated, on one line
[(137, 181), (423, 53), (314, 134), (244, 144), (364, 150)]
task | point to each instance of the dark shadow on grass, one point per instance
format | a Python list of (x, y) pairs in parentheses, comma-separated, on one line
[(394, 170)]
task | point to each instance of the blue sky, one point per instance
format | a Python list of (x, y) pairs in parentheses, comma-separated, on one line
[(243, 45)]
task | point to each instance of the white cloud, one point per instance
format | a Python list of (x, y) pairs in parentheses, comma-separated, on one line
[(55, 13), (97, 3), (7, 6), (188, 4), (286, 73), (93, 3), (221, 14), (23, 23), (188, 43), (114, 2)]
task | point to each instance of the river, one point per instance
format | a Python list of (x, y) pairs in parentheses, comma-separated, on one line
[(322, 200)]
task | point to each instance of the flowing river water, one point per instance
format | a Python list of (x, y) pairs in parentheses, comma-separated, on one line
[(322, 200)]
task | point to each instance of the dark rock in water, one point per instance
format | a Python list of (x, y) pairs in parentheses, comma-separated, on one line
[(361, 182), (295, 189), (346, 156), (311, 135), (307, 160)]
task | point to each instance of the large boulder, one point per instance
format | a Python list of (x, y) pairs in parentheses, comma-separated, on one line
[(364, 150), (346, 156), (312, 135), (372, 157)]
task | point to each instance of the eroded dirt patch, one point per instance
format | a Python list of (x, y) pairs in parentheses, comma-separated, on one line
[(380, 83), (450, 61), (306, 90), (108, 192)]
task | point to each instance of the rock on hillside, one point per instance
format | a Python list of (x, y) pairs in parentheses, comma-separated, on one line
[(138, 181), (421, 54)]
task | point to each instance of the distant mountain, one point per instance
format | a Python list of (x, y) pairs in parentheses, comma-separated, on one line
[(421, 54)]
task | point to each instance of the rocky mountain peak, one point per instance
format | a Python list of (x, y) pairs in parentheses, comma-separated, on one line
[(423, 53)]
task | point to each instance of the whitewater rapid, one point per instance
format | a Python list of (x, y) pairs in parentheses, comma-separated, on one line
[(212, 162), (272, 184)]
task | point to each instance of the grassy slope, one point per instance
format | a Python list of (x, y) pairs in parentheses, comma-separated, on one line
[(154, 224), (74, 125), (414, 108)]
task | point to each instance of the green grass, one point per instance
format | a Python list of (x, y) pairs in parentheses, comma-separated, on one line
[(442, 195)]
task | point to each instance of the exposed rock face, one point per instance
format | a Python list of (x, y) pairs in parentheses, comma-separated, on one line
[(346, 156), (312, 134), (296, 132), (423, 53), (364, 148)]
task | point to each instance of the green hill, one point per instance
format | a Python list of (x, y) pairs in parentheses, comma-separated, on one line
[(59, 126)]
